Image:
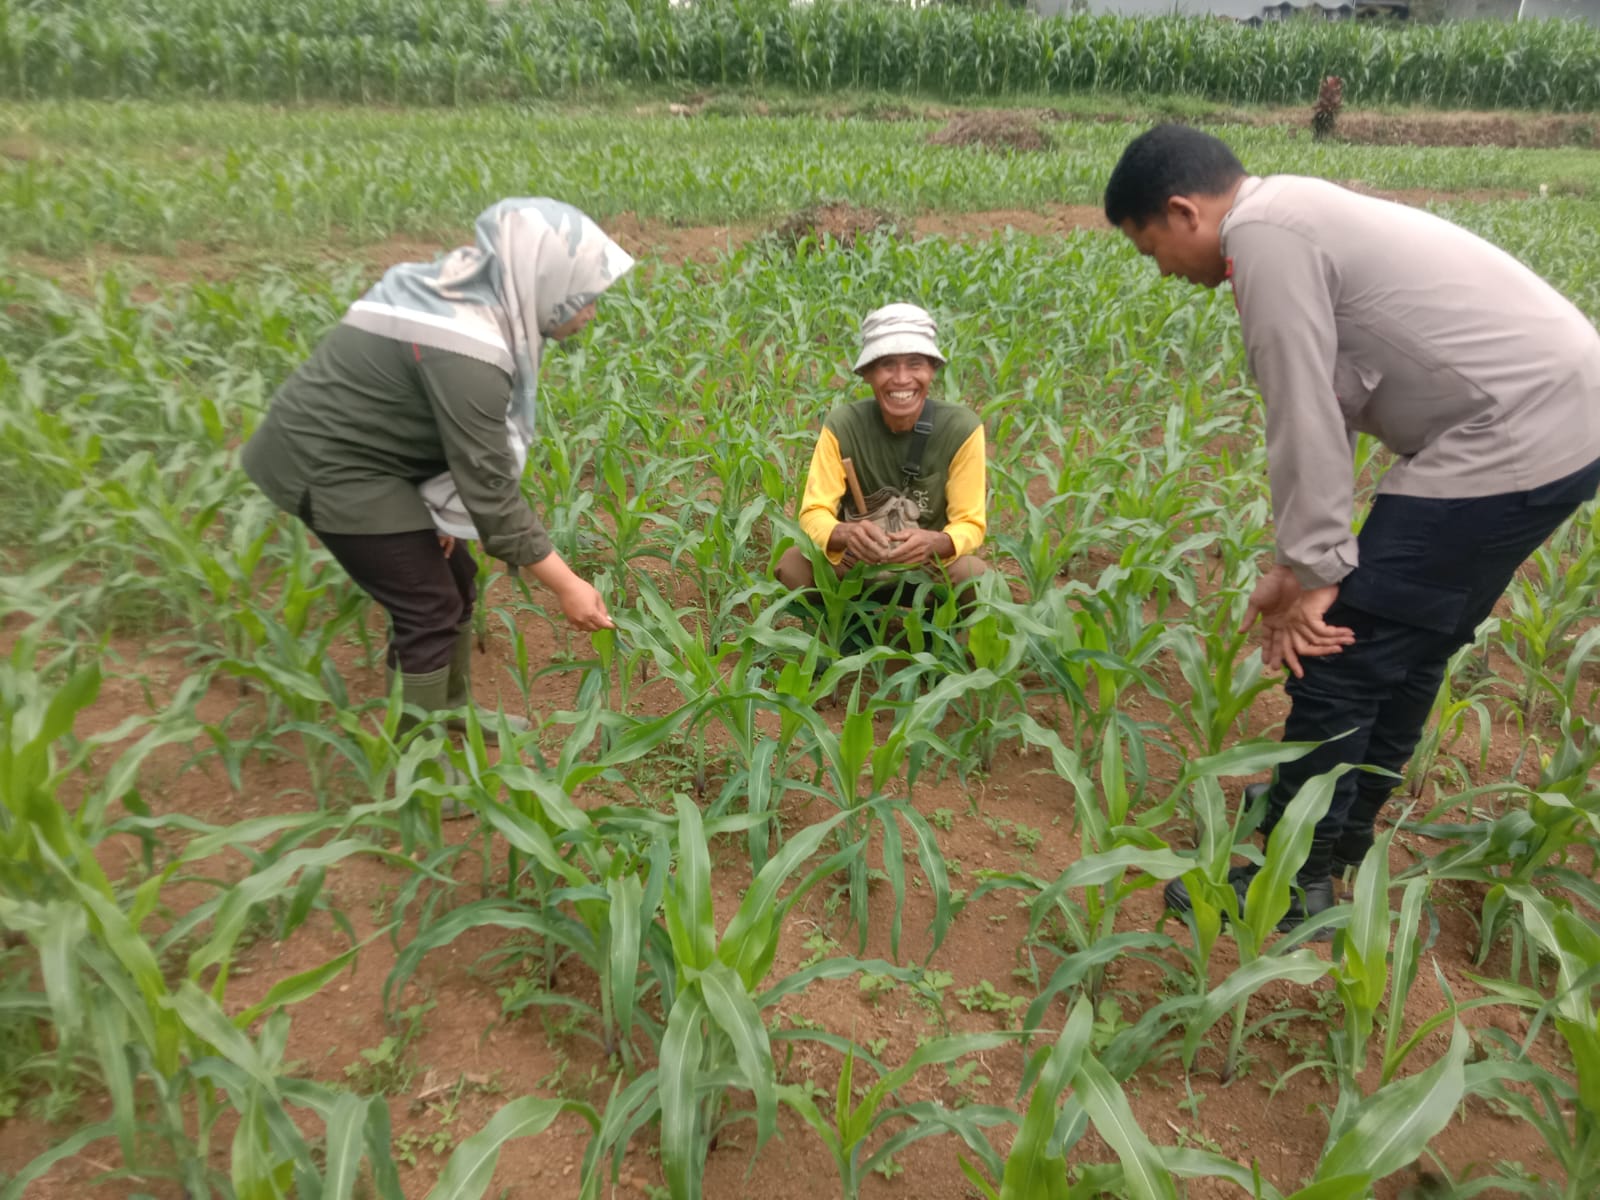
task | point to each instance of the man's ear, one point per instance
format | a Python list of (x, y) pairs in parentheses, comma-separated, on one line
[(1184, 212)]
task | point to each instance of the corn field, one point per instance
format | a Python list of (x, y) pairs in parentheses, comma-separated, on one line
[(319, 178), (748, 910), (428, 52)]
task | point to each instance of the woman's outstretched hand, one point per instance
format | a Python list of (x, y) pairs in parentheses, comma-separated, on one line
[(584, 608)]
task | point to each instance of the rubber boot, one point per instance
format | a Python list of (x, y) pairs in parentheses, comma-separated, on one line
[(427, 691), (459, 693)]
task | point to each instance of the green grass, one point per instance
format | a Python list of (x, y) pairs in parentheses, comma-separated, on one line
[(143, 177)]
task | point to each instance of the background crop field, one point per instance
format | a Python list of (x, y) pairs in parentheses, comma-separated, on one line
[(721, 924)]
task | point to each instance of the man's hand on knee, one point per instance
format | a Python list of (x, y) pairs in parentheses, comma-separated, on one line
[(1293, 621)]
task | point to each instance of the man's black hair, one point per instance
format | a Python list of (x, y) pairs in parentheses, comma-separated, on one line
[(1167, 161)]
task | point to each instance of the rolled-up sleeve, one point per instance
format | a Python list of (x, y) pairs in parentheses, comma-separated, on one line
[(1284, 293), (469, 401), (966, 494)]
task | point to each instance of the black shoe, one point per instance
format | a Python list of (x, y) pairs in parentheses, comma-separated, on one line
[(1306, 900), (1176, 892), (1177, 896), (1317, 898), (1253, 792)]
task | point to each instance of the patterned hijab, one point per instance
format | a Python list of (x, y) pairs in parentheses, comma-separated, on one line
[(536, 263)]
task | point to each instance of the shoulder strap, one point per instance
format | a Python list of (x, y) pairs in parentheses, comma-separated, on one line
[(911, 468)]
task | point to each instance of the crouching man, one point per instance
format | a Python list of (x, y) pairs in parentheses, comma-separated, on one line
[(897, 480)]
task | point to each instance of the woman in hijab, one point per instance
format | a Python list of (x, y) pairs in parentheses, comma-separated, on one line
[(406, 431)]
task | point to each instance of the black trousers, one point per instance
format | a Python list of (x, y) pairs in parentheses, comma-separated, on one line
[(1430, 573), (427, 594)]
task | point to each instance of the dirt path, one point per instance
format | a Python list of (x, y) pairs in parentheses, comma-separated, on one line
[(645, 238), (1026, 127)]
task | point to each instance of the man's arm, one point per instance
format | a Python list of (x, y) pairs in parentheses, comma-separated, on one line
[(966, 493), (819, 508), (1281, 283)]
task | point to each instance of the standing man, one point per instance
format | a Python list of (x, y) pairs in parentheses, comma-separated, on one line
[(1363, 316)]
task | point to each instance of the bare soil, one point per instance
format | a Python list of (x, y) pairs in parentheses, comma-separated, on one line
[(1526, 130), (992, 126), (992, 129), (645, 238), (844, 224), (20, 149), (1540, 130)]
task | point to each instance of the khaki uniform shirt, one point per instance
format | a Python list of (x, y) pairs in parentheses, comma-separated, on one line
[(1364, 316)]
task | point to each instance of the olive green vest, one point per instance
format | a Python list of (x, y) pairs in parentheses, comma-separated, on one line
[(877, 454)]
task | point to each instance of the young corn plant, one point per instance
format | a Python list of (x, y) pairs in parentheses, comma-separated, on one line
[(844, 757), (1221, 686), (1566, 1113), (991, 703), (853, 1123), (1040, 548), (1361, 958), (1372, 1137), (1267, 900), (722, 682), (1548, 599), (1090, 653), (1572, 696), (715, 1040), (1118, 861), (584, 885), (1071, 1091), (469, 1172), (716, 554), (164, 1051), (1447, 723), (1541, 839)]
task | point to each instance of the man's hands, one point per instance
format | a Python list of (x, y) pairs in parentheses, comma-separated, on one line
[(913, 547), (1292, 618), (864, 541), (861, 541)]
